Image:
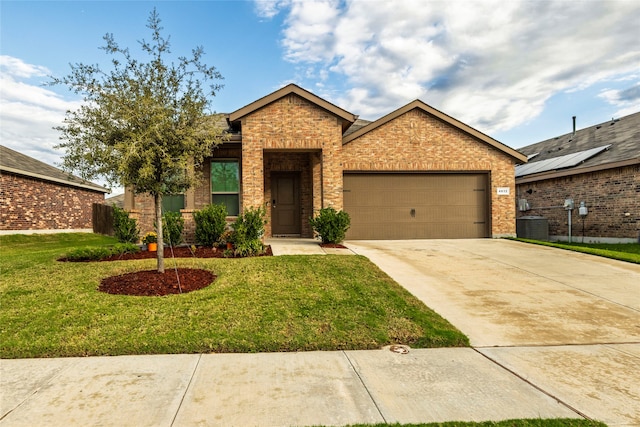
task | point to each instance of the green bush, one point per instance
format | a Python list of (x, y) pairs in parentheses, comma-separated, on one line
[(331, 225), (173, 225), (88, 254), (210, 224), (248, 230), (124, 248), (98, 253), (125, 228)]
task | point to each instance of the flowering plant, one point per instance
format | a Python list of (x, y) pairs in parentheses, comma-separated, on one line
[(150, 237)]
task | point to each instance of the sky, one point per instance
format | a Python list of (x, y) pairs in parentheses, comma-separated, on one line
[(515, 70)]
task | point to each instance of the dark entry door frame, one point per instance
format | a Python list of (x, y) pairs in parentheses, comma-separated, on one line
[(285, 204)]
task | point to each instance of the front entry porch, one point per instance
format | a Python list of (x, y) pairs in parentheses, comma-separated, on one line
[(292, 191)]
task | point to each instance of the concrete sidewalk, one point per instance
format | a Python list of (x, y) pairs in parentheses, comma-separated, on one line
[(275, 389)]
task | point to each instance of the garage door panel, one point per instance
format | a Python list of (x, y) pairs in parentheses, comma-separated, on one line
[(406, 206)]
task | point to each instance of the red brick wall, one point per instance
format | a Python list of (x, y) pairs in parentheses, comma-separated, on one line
[(31, 204), (291, 123), (612, 197), (416, 141)]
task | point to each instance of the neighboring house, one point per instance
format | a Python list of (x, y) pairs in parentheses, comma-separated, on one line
[(599, 166), (414, 173), (117, 200), (36, 197)]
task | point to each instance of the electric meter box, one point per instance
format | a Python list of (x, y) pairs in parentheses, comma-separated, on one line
[(582, 210)]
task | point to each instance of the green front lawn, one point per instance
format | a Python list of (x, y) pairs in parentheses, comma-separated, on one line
[(287, 303), (629, 252)]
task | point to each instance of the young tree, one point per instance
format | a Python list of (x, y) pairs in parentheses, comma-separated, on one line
[(142, 124)]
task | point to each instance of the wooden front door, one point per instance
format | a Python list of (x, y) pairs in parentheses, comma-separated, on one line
[(285, 204)]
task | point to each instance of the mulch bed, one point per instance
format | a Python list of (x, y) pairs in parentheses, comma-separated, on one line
[(333, 245), (152, 283), (172, 281)]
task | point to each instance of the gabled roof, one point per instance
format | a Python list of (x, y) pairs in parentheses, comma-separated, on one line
[(620, 137), (347, 118), (358, 124), (440, 115), (19, 164)]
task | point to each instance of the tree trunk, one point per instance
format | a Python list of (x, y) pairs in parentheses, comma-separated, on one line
[(160, 253)]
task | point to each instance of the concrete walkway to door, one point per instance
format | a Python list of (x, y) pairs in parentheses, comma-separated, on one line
[(568, 323)]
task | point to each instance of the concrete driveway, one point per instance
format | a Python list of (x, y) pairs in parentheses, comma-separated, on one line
[(568, 323)]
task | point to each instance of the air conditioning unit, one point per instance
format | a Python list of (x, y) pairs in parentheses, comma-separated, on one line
[(532, 227)]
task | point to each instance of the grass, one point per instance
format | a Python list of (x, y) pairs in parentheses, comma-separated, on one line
[(288, 303), (555, 422), (629, 252)]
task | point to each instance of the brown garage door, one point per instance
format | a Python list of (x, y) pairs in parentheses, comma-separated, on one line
[(417, 206)]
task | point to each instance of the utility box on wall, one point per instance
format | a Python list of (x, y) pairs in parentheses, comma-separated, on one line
[(532, 227)]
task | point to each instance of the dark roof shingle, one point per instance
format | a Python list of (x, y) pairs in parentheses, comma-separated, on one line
[(623, 136), (17, 163)]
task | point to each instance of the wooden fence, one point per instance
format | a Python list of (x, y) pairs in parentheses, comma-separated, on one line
[(102, 218)]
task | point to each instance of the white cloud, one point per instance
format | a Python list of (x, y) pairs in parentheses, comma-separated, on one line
[(270, 8), (627, 101), (492, 64), (17, 68), (29, 111)]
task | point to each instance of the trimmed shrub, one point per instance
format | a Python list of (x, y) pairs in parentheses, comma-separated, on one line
[(124, 248), (211, 222), (98, 253), (173, 225), (88, 254), (248, 231), (125, 228), (331, 225)]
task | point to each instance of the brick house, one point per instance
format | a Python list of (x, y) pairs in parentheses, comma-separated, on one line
[(414, 173), (36, 197), (598, 165)]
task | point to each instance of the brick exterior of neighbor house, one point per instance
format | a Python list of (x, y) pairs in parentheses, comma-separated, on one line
[(598, 165), (36, 197), (292, 132), (612, 197), (32, 204)]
